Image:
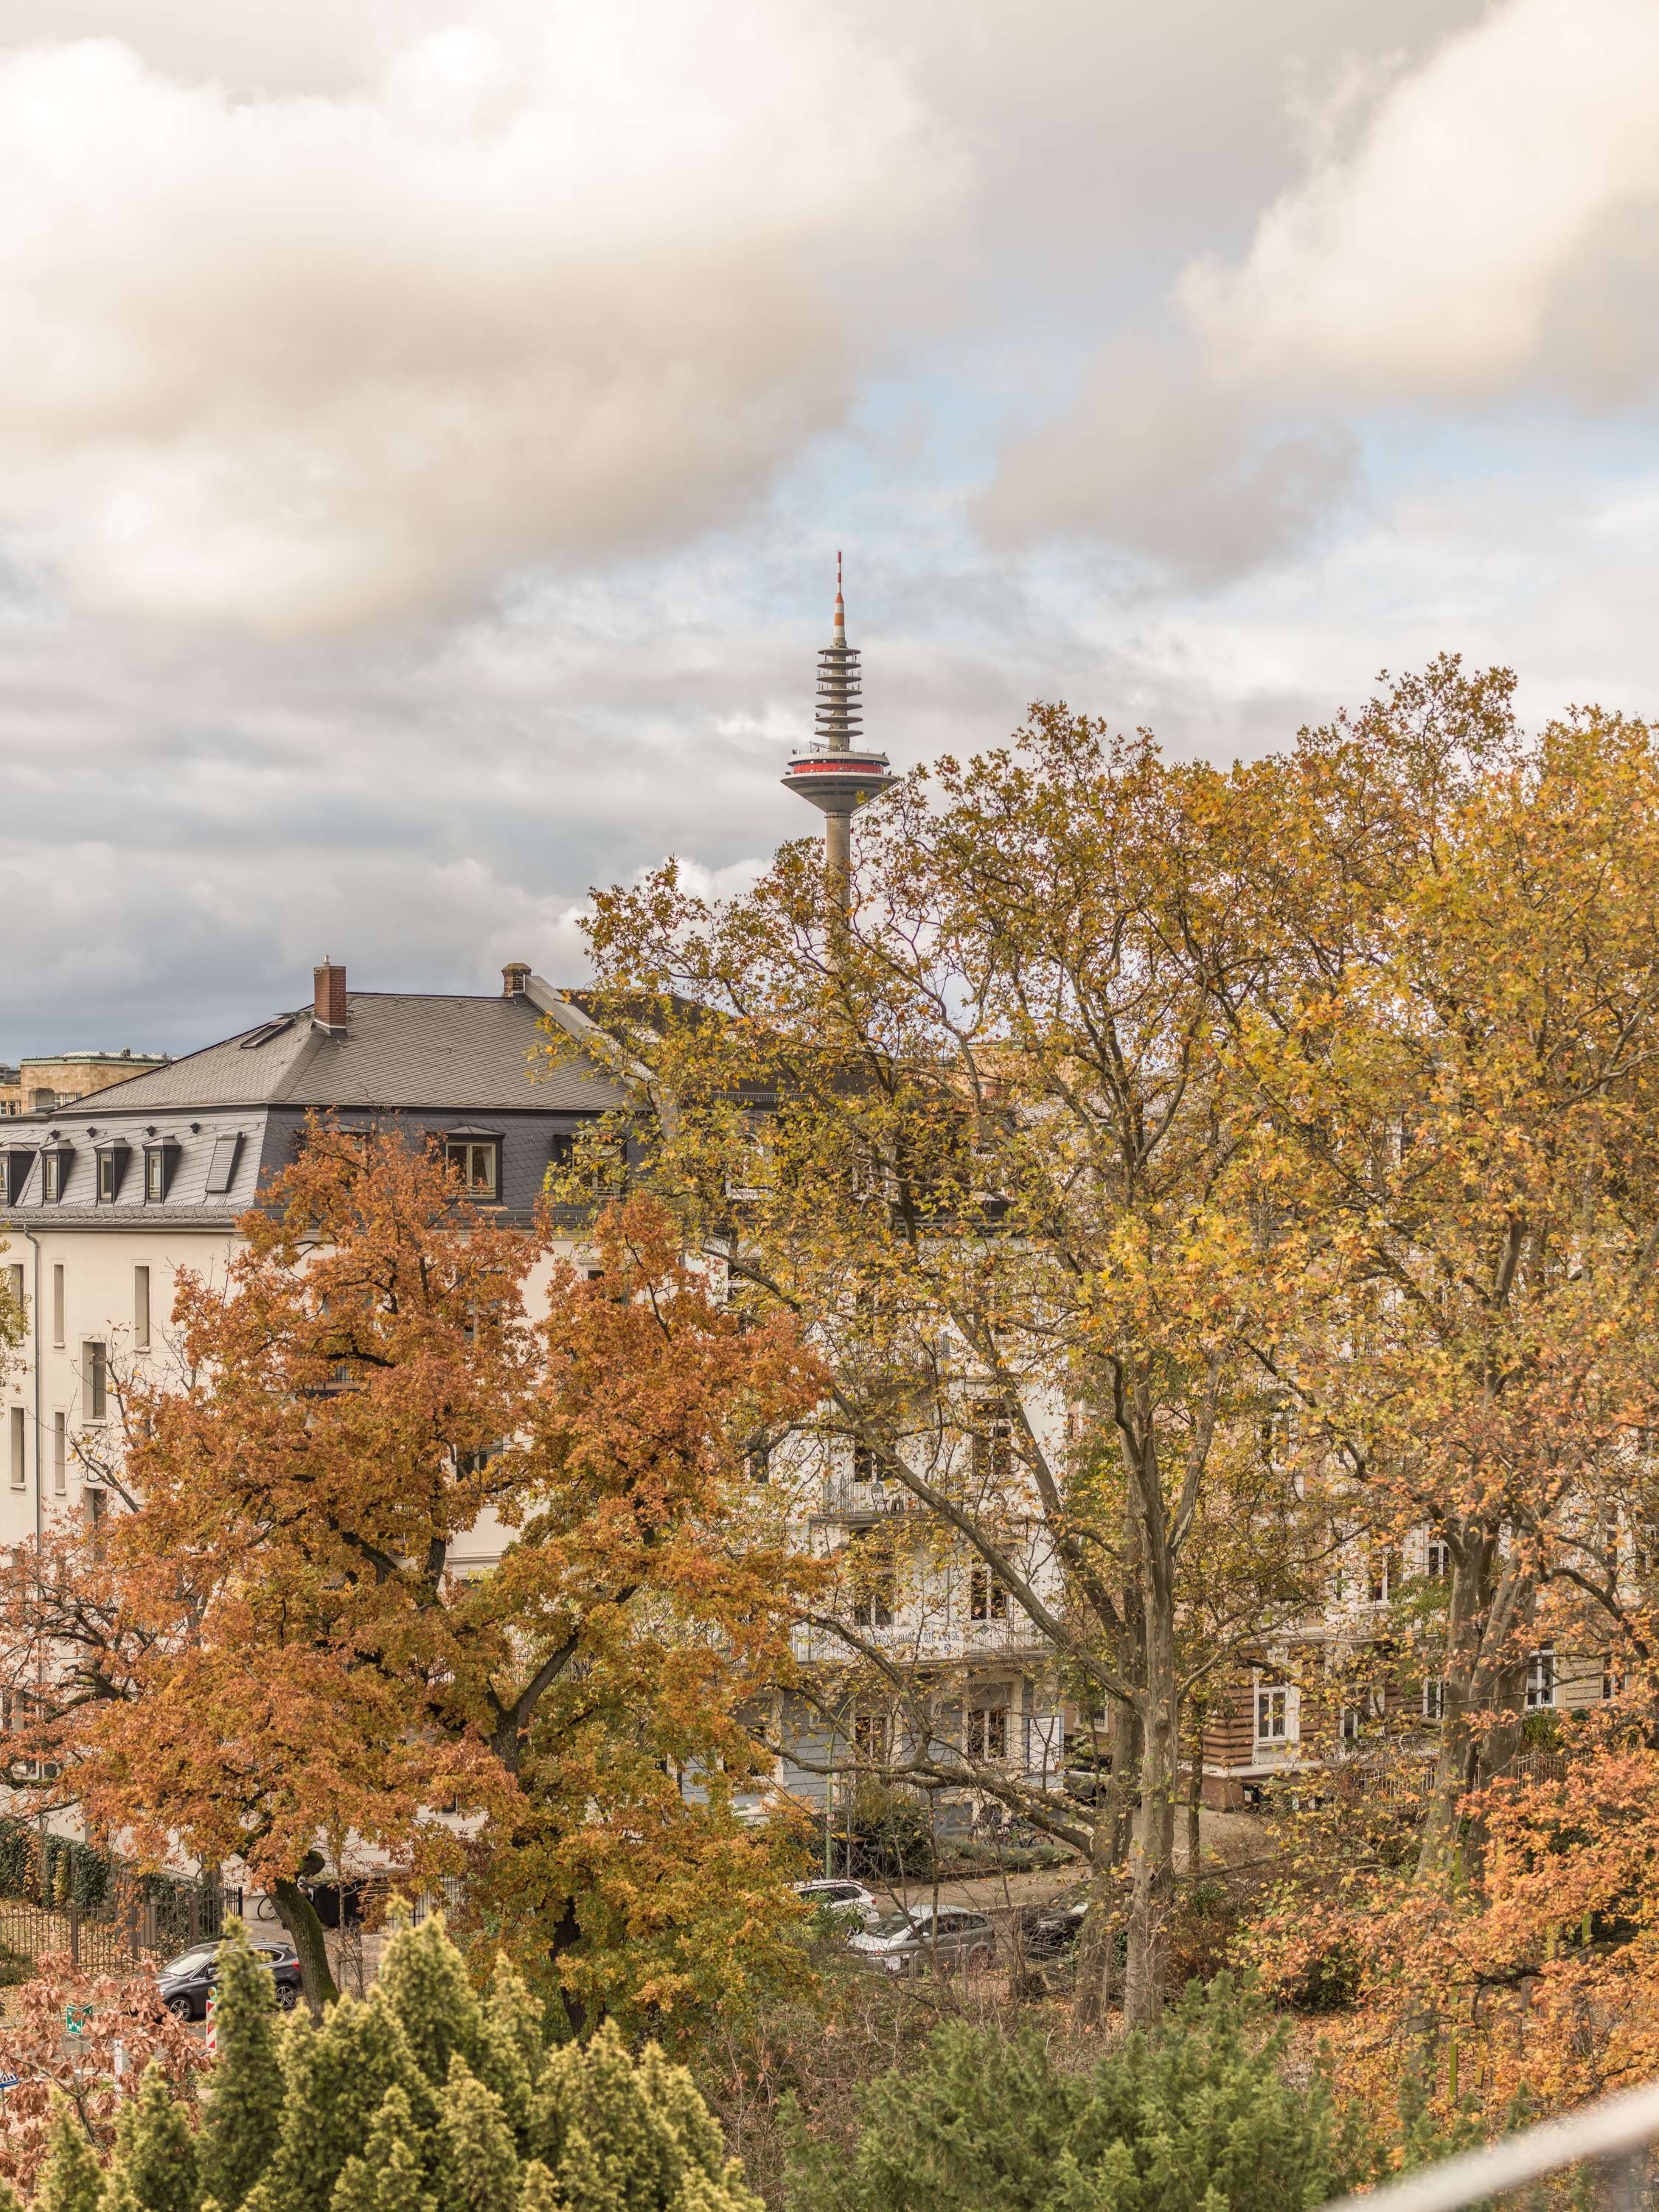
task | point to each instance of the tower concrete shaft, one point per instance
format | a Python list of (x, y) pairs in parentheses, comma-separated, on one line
[(838, 772)]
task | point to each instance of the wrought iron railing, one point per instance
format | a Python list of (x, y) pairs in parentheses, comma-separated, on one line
[(1607, 2143)]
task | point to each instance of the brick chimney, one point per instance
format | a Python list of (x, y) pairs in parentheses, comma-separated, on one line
[(515, 978), (329, 1005)]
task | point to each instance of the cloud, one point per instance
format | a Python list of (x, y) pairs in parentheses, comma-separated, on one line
[(1173, 463), (563, 282), (1518, 168), (1478, 225)]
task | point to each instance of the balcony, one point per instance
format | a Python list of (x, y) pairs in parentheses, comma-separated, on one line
[(938, 1639), (858, 1503)]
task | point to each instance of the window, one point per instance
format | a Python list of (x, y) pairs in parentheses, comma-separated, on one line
[(92, 1499), (867, 1466), (19, 1473), (760, 1461), (1541, 1679), (59, 1454), (873, 1581), (1376, 1578), (58, 1303), (1350, 1724), (222, 1168), (94, 1381), (1275, 1712), (993, 1445), (15, 1284), (159, 1160), (140, 1309), (15, 1165), (54, 1172), (870, 1738), (1434, 1699), (111, 1171), (986, 1734), (475, 1160), (1438, 1559), (1613, 1679), (987, 1598), (562, 1151)]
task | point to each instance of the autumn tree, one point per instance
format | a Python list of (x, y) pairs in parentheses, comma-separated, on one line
[(1457, 1034), (989, 1140), (397, 1544)]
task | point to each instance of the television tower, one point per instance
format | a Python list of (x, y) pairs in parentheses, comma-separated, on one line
[(838, 772)]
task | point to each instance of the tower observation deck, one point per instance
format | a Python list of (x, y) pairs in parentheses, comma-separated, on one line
[(838, 772)]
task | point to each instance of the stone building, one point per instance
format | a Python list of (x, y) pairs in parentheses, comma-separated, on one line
[(40, 1082)]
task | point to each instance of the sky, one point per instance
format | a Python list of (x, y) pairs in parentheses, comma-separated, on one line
[(427, 428)]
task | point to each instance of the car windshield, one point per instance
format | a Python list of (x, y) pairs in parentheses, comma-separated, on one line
[(894, 1923), (191, 1962)]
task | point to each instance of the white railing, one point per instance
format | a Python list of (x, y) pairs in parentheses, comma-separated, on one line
[(941, 1637), (1615, 2134)]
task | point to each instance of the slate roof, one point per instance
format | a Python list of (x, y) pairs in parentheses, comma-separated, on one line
[(399, 1049)]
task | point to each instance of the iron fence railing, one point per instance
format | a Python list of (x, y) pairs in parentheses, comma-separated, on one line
[(135, 1915), (1607, 2145)]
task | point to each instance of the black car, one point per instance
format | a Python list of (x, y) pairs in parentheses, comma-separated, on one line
[(184, 1982), (1049, 1931)]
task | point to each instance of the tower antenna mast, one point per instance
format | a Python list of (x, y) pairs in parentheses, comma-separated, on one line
[(838, 772)]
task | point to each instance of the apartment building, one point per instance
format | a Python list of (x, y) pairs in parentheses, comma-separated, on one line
[(40, 1082), (105, 1197)]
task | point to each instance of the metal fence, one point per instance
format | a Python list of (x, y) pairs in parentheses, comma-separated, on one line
[(135, 1914), (1604, 2148)]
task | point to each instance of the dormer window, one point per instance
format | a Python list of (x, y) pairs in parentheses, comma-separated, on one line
[(112, 1159), (55, 1163), (15, 1165), (476, 1156), (160, 1161)]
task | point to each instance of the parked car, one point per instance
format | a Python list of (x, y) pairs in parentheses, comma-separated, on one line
[(1047, 1931), (942, 1939), (839, 1896), (183, 1983)]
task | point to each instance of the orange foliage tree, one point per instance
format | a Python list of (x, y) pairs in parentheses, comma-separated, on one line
[(396, 1544)]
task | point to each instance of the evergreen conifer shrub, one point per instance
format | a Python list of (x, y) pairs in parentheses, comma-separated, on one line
[(425, 2098), (1195, 2115), (71, 2179)]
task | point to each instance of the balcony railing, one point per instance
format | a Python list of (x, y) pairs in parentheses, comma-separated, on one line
[(1612, 2136), (936, 1640), (844, 1499)]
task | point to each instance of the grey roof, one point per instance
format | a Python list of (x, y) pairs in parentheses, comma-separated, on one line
[(399, 1049)]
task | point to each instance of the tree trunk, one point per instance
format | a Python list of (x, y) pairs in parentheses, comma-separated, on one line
[(1454, 1762), (1097, 1947), (1152, 1837), (298, 1917), (565, 1935), (1490, 1600)]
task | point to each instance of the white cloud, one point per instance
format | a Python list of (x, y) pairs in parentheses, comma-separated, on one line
[(557, 282), (1475, 225), (1432, 259)]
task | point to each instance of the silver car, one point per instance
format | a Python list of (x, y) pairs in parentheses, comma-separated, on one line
[(925, 1936), (851, 1898)]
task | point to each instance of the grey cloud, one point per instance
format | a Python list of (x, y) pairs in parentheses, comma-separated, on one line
[(1174, 464)]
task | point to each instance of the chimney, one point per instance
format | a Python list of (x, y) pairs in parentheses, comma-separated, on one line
[(515, 978), (329, 1005)]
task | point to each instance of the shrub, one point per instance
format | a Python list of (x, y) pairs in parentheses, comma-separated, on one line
[(1198, 2114), (892, 1837), (426, 2095)]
